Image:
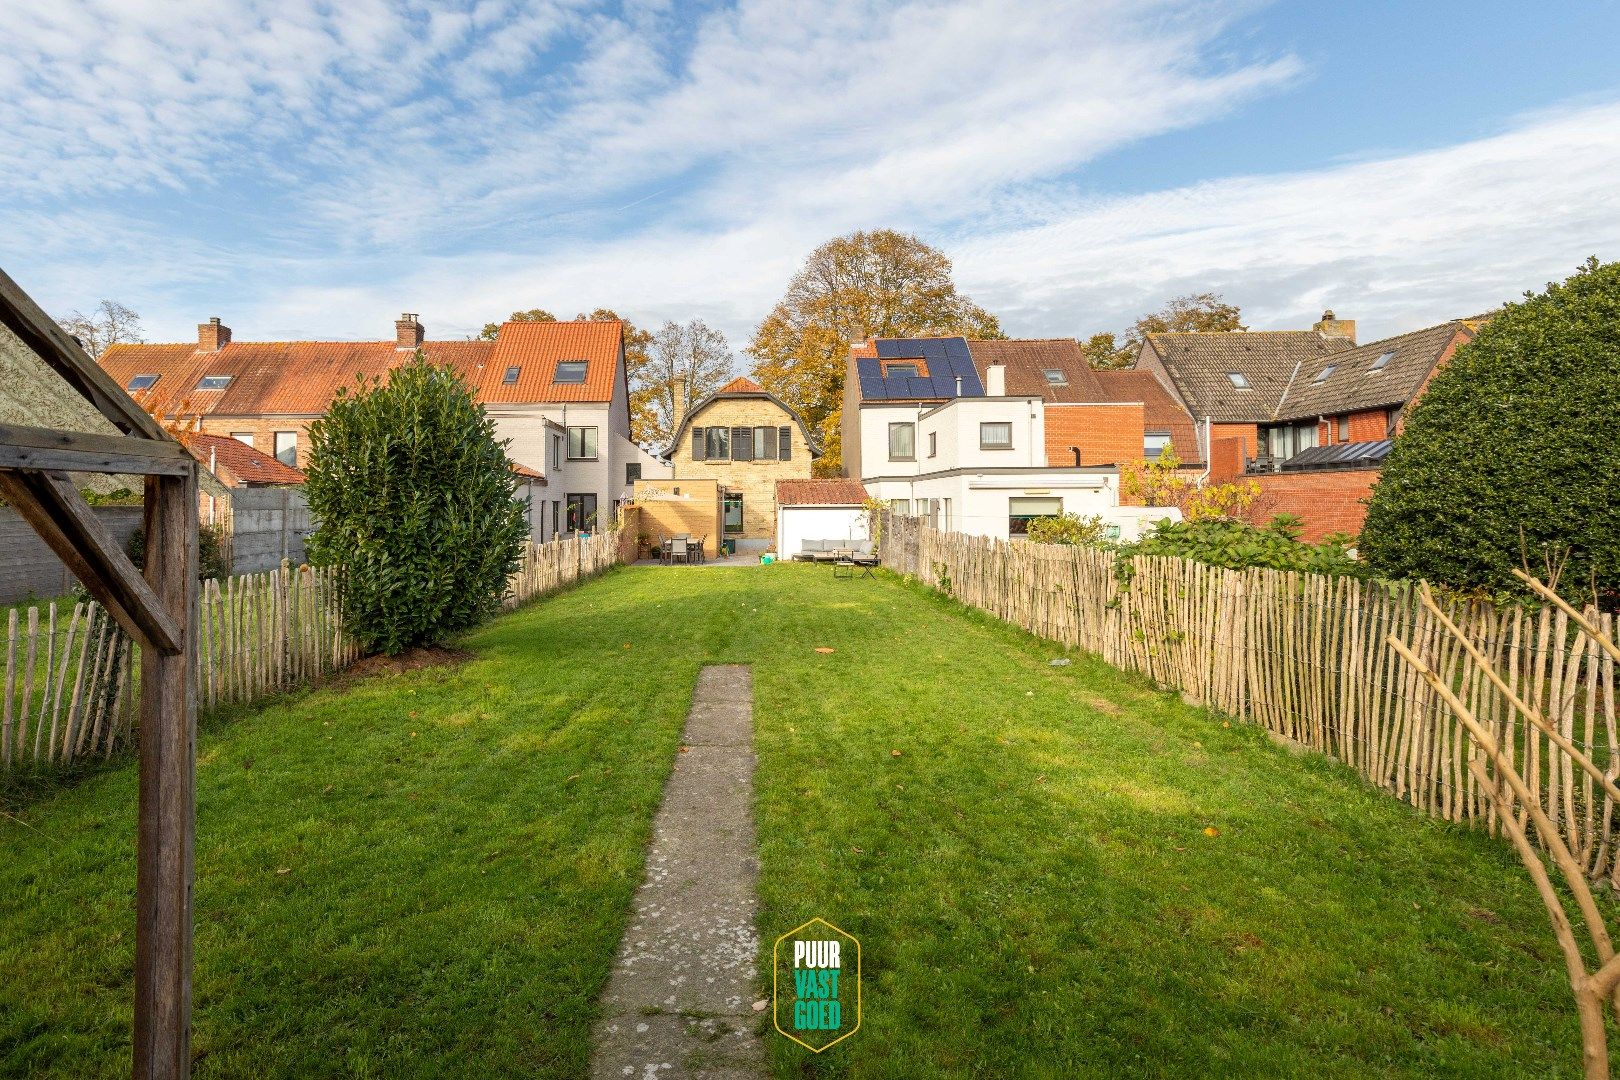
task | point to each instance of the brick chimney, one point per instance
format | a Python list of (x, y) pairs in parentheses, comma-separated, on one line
[(678, 393), (1332, 326), (408, 333), (213, 335)]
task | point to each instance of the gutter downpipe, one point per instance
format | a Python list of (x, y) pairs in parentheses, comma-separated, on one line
[(1209, 466)]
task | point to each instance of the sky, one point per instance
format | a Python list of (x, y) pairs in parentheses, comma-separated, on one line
[(308, 170)]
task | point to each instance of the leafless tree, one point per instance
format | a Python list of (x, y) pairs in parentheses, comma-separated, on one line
[(693, 358), (109, 324)]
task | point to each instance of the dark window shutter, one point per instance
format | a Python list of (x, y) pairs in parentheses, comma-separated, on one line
[(785, 435), (697, 444), (765, 444), (742, 444)]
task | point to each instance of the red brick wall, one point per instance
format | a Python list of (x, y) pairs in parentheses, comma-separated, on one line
[(264, 432), (1229, 444), (1328, 501), (1105, 434)]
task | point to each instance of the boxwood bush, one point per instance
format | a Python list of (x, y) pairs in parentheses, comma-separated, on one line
[(415, 499)]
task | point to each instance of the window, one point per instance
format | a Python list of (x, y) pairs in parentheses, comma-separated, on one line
[(900, 506), (511, 376), (764, 444), (287, 447), (1155, 443), (556, 517), (933, 444), (717, 444), (1323, 374), (243, 437), (784, 443), (1055, 377), (905, 371), (632, 472), (742, 444), (995, 435), (556, 459), (569, 371), (1021, 511), (213, 382), (1383, 361), (142, 382), (733, 519), (1344, 428), (581, 511), (1284, 441), (946, 525), (1393, 426), (581, 443), (902, 442), (1239, 380)]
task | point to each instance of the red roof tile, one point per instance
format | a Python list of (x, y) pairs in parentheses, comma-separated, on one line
[(742, 384), (300, 378), (836, 492), (241, 463)]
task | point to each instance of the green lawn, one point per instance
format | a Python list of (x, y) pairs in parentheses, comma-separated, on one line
[(1031, 879)]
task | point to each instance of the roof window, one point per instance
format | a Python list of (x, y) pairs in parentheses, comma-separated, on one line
[(569, 371), (1323, 374), (1239, 380), (142, 382), (1383, 360), (1055, 377), (511, 376), (213, 382)]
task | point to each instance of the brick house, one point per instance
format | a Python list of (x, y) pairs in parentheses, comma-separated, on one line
[(557, 390), (746, 439), (1308, 414)]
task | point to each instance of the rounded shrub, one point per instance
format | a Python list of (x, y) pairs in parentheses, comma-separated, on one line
[(1511, 458), (415, 500)]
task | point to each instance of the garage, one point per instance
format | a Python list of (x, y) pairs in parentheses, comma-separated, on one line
[(829, 512)]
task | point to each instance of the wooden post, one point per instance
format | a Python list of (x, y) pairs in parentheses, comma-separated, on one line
[(168, 735)]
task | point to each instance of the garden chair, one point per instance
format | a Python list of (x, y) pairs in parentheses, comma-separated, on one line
[(678, 550), (703, 548)]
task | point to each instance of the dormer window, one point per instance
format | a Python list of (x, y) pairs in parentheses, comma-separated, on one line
[(1323, 374), (511, 376), (213, 382), (1239, 380), (142, 382), (1383, 361), (569, 371), (1055, 377)]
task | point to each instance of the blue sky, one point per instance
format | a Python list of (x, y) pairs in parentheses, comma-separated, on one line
[(308, 170)]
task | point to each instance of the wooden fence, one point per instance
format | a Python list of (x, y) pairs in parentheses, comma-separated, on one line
[(71, 672), (1306, 657)]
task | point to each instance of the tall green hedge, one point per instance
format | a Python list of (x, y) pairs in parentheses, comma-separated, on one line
[(416, 500), (1513, 453)]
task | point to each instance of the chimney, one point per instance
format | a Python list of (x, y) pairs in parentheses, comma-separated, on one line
[(678, 392), (213, 335), (995, 380), (1336, 327), (408, 333)]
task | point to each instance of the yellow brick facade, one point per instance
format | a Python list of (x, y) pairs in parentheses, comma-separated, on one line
[(754, 480)]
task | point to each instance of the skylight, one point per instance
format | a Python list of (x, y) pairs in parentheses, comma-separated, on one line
[(1325, 372), (1239, 380), (570, 371), (1382, 361), (213, 382), (142, 382), (1055, 377), (511, 376), (906, 371)]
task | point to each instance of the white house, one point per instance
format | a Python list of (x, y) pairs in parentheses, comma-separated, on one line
[(931, 428), (829, 511)]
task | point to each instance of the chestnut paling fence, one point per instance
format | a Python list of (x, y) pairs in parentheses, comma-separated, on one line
[(71, 672), (1308, 657)]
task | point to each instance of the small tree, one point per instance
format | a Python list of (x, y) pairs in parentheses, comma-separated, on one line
[(1512, 457), (415, 499), (1068, 529)]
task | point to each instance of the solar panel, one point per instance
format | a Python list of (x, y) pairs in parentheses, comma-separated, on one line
[(947, 359)]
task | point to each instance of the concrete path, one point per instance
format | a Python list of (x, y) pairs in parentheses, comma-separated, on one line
[(681, 999)]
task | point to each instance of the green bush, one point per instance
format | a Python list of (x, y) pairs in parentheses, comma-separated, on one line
[(1512, 456), (210, 551), (1237, 545), (415, 500), (1068, 529)]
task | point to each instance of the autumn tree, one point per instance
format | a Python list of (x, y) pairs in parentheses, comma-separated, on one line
[(1193, 313), (110, 323), (881, 283), (692, 357), (492, 330)]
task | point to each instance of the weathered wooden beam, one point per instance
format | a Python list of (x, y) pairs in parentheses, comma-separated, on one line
[(166, 834), (41, 334), (24, 447), (53, 506)]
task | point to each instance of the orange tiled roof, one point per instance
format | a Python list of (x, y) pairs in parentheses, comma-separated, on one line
[(1161, 411), (300, 378), (742, 384), (242, 463), (835, 492)]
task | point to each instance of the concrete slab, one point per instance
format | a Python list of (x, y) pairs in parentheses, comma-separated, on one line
[(680, 1000)]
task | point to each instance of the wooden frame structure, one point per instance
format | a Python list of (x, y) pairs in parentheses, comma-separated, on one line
[(159, 611)]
